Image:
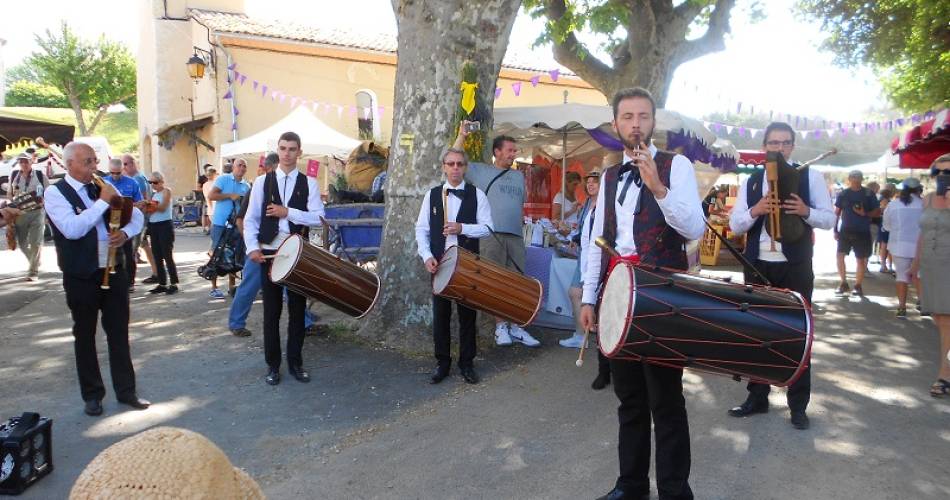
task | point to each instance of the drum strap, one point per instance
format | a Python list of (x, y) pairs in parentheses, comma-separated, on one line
[(497, 239)]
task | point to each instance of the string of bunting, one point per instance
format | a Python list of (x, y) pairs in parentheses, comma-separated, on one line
[(263, 89)]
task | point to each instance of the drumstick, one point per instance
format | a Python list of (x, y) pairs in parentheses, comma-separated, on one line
[(275, 256), (580, 357)]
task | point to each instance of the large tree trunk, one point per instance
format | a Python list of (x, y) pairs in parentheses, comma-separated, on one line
[(77, 110), (435, 38)]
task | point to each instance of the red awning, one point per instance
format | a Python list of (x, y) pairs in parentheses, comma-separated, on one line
[(921, 145), (751, 157)]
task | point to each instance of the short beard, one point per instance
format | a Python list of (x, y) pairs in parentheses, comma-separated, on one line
[(631, 146)]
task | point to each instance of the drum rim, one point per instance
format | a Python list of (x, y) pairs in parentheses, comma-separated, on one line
[(270, 270), (809, 337), (432, 277), (375, 299), (538, 307), (628, 319)]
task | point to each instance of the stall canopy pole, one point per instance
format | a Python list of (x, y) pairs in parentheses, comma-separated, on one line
[(564, 166)]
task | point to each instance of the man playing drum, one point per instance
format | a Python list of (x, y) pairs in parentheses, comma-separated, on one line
[(788, 265), (468, 218), (647, 208), (286, 202)]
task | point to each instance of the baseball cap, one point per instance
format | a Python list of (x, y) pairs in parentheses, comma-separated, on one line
[(595, 173)]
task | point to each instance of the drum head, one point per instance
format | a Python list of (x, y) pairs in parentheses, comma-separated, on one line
[(446, 269), (616, 309), (286, 258)]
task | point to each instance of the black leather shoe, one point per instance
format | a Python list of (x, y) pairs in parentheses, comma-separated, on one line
[(749, 408), (93, 408), (438, 375), (159, 289), (150, 280), (602, 381), (299, 373), (172, 290), (800, 420), (273, 376), (468, 373), (135, 402), (618, 494)]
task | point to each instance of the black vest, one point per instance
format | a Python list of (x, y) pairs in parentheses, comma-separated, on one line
[(657, 243), (270, 226), (80, 257), (467, 215), (799, 251)]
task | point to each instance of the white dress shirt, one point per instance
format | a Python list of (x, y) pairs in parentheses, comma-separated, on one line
[(74, 226), (903, 222), (478, 230), (285, 188), (681, 208), (821, 215)]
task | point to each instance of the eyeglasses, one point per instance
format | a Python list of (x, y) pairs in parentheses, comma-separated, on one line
[(779, 143), (154, 182), (454, 163)]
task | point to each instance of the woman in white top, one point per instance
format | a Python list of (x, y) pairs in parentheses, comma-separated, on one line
[(571, 207), (901, 220)]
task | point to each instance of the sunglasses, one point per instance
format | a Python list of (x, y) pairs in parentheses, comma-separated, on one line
[(454, 163)]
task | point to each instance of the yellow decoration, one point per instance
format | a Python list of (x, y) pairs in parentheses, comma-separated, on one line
[(468, 96)]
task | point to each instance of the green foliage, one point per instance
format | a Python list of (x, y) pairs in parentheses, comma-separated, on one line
[(120, 129), (907, 42), (36, 95), (92, 76), (21, 72), (604, 17)]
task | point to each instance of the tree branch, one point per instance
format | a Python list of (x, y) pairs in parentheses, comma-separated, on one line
[(572, 53), (713, 40)]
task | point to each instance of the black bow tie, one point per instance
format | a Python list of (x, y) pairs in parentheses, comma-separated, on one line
[(460, 193), (93, 191), (634, 171)]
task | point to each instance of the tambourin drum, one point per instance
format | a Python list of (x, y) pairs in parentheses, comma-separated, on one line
[(679, 320), (312, 271), (468, 279)]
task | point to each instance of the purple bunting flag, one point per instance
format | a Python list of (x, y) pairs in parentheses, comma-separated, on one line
[(535, 79), (237, 75), (517, 88), (263, 90), (227, 95), (232, 66), (254, 85), (243, 79), (555, 73), (497, 92), (234, 126)]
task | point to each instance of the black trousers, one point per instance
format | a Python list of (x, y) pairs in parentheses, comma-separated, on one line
[(86, 299), (650, 393), (130, 265), (442, 336), (799, 278), (162, 237), (273, 305)]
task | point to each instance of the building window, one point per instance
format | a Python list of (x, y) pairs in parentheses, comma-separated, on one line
[(367, 115)]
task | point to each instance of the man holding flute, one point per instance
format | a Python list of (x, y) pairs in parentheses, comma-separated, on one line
[(78, 207)]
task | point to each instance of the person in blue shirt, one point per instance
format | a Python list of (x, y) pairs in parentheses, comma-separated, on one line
[(128, 188), (130, 169), (227, 193)]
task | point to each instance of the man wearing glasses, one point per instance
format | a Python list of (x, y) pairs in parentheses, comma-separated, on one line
[(790, 264), (128, 188), (468, 218)]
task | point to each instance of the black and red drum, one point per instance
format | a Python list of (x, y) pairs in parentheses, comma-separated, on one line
[(679, 320)]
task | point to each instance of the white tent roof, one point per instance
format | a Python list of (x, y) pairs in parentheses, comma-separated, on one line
[(547, 127), (318, 138)]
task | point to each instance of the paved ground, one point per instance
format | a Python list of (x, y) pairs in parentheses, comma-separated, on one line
[(369, 426)]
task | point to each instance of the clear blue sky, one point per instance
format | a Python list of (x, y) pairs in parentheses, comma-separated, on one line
[(809, 84)]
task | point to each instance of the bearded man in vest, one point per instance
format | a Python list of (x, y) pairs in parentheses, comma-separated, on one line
[(285, 202), (789, 265), (459, 217), (647, 208)]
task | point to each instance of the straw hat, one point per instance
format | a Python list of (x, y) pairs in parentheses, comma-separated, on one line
[(164, 462)]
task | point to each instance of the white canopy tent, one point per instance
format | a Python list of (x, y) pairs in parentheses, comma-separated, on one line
[(317, 137), (562, 128)]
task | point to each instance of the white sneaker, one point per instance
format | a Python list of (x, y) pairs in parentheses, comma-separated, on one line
[(518, 334), (501, 334), (574, 342)]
